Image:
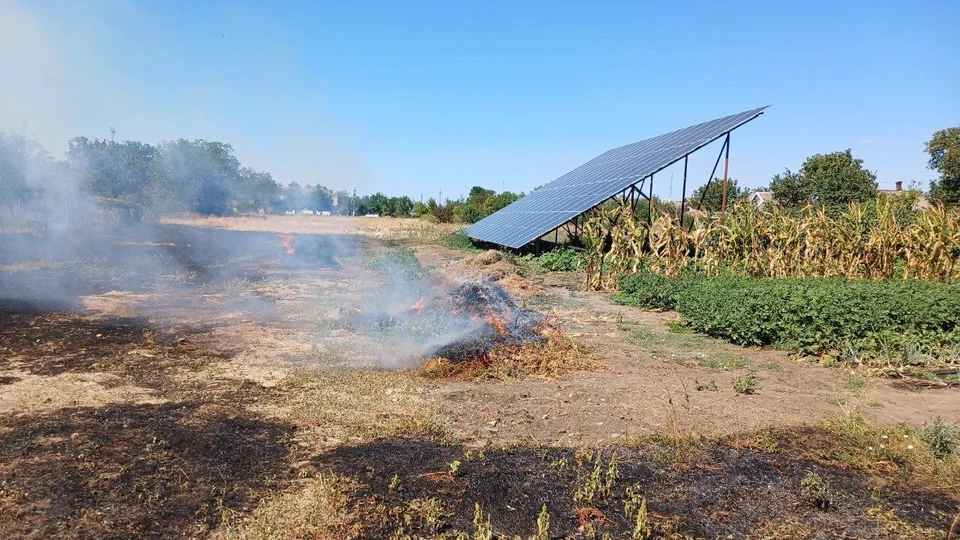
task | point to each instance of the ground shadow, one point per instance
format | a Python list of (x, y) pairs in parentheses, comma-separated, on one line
[(121, 471)]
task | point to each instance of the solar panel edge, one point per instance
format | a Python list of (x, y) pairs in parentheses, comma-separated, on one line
[(697, 136)]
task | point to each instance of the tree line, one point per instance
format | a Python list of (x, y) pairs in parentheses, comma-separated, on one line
[(199, 176)]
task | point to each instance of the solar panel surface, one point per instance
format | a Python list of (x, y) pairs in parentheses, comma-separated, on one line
[(597, 180)]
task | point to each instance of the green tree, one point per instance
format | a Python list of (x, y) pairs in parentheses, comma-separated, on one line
[(944, 150), (320, 199), (713, 200), (833, 180), (788, 190)]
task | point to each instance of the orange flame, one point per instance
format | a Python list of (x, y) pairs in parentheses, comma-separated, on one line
[(286, 240), (496, 321), (418, 307)]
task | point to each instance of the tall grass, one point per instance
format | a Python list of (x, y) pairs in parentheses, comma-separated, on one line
[(867, 241)]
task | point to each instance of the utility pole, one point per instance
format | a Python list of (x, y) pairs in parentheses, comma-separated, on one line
[(440, 198), (354, 201), (113, 133)]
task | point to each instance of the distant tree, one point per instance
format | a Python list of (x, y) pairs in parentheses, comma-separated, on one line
[(257, 190), (113, 169), (713, 200), (788, 189), (837, 179), (200, 176), (401, 206), (500, 201), (321, 199), (944, 150), (833, 180), (419, 209)]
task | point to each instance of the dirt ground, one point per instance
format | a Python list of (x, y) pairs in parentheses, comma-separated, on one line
[(196, 379)]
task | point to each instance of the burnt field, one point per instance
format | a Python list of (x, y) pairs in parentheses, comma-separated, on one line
[(179, 381)]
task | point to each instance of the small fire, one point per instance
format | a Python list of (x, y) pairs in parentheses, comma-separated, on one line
[(286, 240), (418, 307), (496, 321)]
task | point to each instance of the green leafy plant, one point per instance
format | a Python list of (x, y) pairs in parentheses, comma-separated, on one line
[(815, 491), (559, 260), (943, 438), (747, 384)]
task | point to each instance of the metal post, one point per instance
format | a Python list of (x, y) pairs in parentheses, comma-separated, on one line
[(726, 170), (650, 203), (683, 196), (709, 180)]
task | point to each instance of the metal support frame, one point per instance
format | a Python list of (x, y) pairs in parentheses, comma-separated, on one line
[(633, 193), (724, 148)]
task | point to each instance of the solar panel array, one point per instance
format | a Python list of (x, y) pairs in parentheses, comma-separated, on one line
[(590, 184)]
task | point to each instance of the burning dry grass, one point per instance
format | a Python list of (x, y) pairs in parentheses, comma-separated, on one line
[(555, 356)]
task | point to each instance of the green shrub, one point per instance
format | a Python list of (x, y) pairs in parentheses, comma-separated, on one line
[(559, 260), (810, 315), (430, 218), (747, 384), (943, 438), (650, 290), (459, 241), (815, 315)]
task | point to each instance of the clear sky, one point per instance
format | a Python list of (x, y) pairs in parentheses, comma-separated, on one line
[(417, 97)]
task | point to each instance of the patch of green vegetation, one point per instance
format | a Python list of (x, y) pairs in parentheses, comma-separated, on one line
[(747, 384), (770, 366), (677, 326), (905, 327), (559, 259), (724, 362), (943, 438), (459, 241), (815, 491), (854, 382)]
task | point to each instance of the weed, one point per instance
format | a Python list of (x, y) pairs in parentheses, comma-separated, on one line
[(712, 386), (543, 524), (454, 467), (599, 481), (771, 366), (561, 464), (459, 241), (943, 438), (724, 362), (429, 511), (815, 491), (678, 326), (559, 260), (747, 384), (395, 483), (855, 383), (635, 508), (482, 529)]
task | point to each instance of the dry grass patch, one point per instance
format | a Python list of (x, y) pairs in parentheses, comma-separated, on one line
[(360, 403), (319, 507)]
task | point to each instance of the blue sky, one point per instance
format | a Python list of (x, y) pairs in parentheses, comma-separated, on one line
[(417, 97)]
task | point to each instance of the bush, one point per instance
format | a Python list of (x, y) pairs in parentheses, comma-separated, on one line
[(430, 218), (650, 290), (812, 315), (559, 260)]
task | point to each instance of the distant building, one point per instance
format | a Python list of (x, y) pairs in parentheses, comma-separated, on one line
[(923, 202), (761, 198)]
